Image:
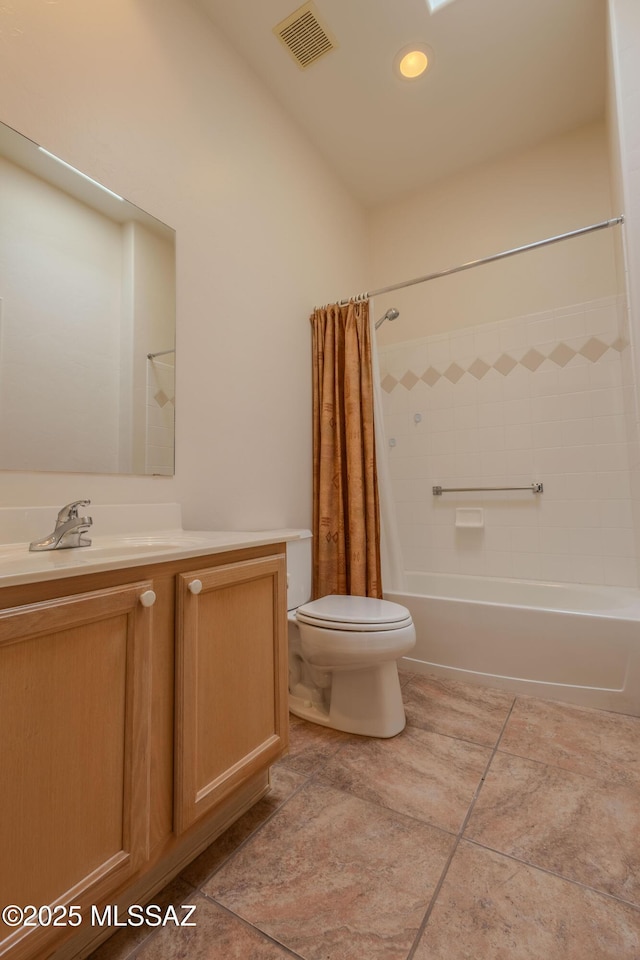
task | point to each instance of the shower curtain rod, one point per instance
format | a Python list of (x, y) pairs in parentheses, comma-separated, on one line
[(160, 353), (496, 256)]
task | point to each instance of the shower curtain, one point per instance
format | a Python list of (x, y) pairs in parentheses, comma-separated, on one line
[(346, 527)]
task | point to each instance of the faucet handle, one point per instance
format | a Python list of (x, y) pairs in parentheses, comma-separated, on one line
[(70, 511)]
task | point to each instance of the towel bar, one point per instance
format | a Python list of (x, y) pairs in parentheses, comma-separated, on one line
[(438, 491)]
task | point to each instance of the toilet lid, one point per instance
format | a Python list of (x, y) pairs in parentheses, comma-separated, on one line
[(354, 613)]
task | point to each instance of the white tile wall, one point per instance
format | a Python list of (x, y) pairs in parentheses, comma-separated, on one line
[(478, 407)]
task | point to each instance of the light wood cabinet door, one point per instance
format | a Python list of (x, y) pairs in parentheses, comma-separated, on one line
[(74, 764), (231, 680)]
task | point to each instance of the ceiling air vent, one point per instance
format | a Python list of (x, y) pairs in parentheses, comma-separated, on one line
[(304, 36)]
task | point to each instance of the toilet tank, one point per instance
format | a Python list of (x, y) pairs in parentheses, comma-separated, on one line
[(299, 563)]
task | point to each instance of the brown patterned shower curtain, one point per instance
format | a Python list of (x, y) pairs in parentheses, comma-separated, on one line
[(346, 518)]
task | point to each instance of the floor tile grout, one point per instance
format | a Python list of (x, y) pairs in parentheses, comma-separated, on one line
[(251, 926), (552, 873), (250, 836), (556, 765), (450, 712), (459, 837)]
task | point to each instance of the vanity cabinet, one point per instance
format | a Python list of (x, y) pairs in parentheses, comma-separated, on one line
[(75, 731), (231, 707), (132, 732)]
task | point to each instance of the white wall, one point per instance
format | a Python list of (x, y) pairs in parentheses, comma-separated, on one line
[(560, 185), (146, 97)]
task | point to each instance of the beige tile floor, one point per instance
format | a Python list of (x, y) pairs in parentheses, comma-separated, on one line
[(494, 826)]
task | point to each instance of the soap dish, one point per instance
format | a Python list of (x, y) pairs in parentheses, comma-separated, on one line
[(469, 517)]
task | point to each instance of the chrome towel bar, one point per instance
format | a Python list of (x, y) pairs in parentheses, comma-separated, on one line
[(438, 491)]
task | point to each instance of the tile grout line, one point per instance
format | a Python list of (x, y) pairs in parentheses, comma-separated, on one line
[(153, 932), (139, 946), (251, 926), (458, 838), (557, 876), (316, 776), (249, 836), (198, 888), (308, 778), (558, 765)]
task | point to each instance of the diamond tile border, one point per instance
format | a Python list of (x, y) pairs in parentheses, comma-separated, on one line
[(561, 354), (478, 368), (532, 359), (453, 373), (409, 380), (430, 376), (504, 364)]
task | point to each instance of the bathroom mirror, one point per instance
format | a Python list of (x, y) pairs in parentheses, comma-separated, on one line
[(87, 322)]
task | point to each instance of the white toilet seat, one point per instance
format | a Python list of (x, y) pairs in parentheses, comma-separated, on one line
[(364, 614)]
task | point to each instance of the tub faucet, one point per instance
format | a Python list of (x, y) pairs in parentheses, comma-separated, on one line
[(69, 530)]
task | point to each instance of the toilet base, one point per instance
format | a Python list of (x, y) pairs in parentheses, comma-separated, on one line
[(365, 701)]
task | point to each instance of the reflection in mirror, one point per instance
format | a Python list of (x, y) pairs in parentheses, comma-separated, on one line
[(87, 322)]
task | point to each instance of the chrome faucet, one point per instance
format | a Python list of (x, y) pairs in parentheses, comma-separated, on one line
[(69, 530)]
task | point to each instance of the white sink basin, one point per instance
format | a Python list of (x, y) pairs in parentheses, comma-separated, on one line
[(137, 546), (128, 549), (106, 548)]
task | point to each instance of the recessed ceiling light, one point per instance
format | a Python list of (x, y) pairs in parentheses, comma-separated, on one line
[(413, 64), (413, 61)]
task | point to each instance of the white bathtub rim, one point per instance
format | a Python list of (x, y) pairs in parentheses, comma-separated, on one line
[(627, 606)]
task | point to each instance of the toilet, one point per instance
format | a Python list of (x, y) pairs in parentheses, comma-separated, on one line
[(342, 654)]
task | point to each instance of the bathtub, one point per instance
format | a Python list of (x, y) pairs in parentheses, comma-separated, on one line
[(580, 644)]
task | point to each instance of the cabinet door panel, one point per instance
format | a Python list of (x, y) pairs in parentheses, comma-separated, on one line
[(232, 713), (74, 713)]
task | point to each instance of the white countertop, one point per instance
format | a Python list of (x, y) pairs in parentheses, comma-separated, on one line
[(18, 565)]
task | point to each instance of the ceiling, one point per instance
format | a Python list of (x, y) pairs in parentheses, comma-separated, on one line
[(505, 74)]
